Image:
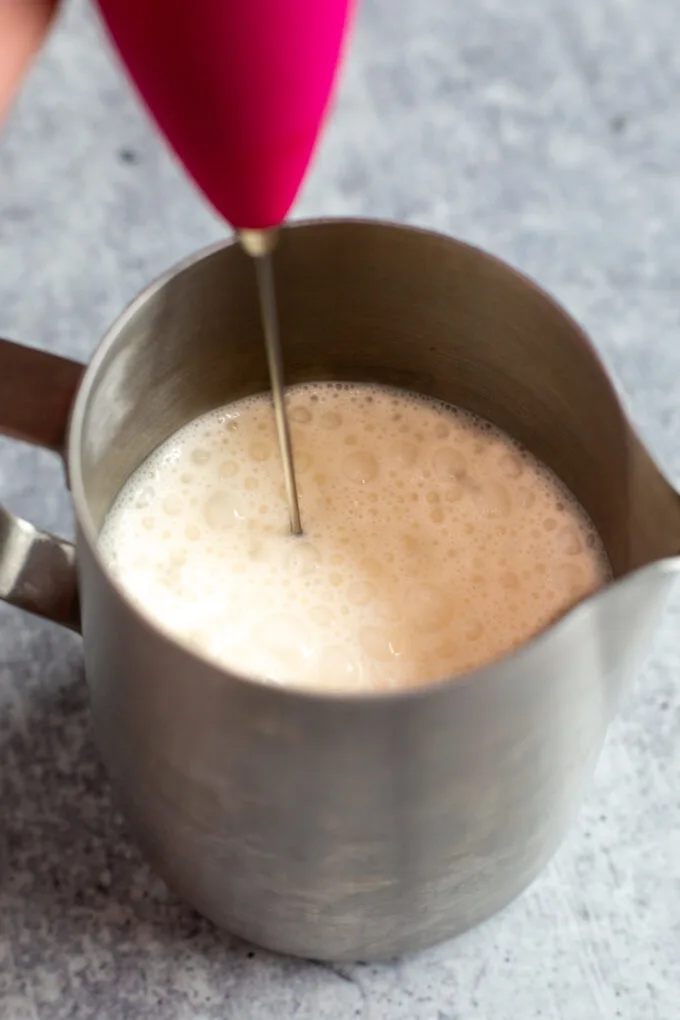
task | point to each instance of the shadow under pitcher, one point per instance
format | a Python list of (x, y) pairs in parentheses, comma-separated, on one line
[(348, 826)]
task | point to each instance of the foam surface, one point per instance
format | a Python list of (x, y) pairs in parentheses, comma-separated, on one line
[(433, 543)]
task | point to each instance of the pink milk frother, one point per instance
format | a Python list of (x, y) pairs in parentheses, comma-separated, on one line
[(240, 89)]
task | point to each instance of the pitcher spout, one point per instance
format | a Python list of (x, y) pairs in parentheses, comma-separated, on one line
[(618, 624), (623, 617)]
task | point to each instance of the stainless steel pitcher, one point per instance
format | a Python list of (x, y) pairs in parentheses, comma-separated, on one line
[(327, 825)]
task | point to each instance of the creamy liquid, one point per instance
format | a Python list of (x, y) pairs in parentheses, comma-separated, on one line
[(433, 543)]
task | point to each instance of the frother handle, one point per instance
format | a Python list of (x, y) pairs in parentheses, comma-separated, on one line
[(37, 570)]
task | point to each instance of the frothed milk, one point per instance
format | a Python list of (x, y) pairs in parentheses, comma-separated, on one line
[(433, 543)]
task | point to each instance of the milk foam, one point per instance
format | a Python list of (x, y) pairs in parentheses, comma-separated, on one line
[(433, 543)]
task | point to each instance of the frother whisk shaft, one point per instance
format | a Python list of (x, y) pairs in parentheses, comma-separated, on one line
[(260, 245)]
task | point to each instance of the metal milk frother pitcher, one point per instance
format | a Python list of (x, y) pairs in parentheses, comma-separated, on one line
[(329, 825)]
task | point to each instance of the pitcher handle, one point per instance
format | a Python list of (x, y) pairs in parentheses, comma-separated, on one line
[(37, 570)]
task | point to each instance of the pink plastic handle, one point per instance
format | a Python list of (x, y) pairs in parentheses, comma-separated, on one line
[(239, 87)]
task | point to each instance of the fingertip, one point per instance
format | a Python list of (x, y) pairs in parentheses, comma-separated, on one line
[(23, 27)]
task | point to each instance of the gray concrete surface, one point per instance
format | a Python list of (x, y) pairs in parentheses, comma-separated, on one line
[(545, 130)]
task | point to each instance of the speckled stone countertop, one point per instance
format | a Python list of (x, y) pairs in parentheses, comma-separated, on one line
[(545, 130)]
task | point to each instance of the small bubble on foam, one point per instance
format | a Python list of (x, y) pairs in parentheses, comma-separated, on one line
[(200, 456), (453, 493), (527, 498), (474, 631), (511, 465), (569, 541), (144, 497), (227, 469), (410, 544), (260, 451), (302, 415), (509, 579), (449, 463)]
